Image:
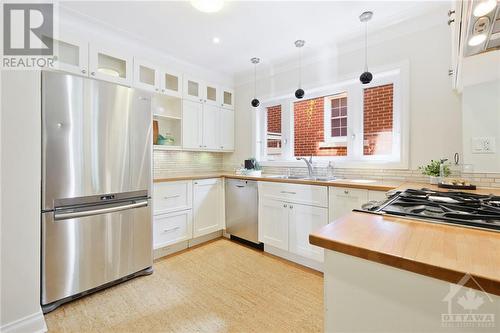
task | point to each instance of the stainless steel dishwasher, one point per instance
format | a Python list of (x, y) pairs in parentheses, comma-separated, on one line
[(242, 210)]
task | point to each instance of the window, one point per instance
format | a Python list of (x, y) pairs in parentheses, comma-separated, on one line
[(378, 120), (349, 123), (337, 114), (273, 136), (315, 122)]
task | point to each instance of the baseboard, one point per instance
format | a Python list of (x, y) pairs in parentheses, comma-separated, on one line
[(316, 265), (174, 248), (34, 323)]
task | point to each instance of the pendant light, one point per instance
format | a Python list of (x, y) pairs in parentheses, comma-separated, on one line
[(255, 101), (299, 93), (366, 77)]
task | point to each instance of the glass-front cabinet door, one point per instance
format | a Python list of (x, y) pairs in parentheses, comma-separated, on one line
[(146, 75), (110, 65), (227, 98), (212, 94), (71, 54), (171, 83), (194, 89)]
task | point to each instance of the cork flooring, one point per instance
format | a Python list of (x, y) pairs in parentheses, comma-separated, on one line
[(216, 287)]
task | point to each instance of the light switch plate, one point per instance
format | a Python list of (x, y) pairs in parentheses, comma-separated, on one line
[(483, 145)]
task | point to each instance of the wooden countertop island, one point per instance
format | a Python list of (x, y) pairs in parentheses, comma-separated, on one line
[(437, 250)]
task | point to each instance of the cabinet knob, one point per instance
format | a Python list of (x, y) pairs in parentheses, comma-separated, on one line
[(156, 89), (451, 12), (163, 90), (92, 73), (346, 192), (291, 207), (285, 206), (84, 71)]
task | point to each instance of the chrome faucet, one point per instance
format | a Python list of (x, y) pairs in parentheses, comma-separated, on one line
[(309, 164)]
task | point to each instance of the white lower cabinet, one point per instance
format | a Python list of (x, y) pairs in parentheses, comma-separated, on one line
[(302, 221), (273, 223), (207, 203), (285, 222), (172, 228), (343, 200)]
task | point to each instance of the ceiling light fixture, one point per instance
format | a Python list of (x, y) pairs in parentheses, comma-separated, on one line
[(208, 6), (477, 40), (299, 93), (484, 7), (255, 61), (366, 77), (216, 40)]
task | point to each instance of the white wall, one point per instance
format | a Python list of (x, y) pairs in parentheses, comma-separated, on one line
[(481, 118), (435, 110), (20, 202), (97, 32)]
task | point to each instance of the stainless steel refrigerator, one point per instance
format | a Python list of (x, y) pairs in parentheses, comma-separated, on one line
[(96, 186)]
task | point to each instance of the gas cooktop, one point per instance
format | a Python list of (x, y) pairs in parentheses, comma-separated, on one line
[(466, 209)]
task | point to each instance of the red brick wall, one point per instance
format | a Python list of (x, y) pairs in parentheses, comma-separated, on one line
[(274, 124), (309, 129), (274, 119), (378, 120)]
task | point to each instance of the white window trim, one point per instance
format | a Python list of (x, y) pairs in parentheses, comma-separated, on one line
[(401, 132)]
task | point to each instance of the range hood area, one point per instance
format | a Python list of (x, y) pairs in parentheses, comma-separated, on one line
[(481, 26)]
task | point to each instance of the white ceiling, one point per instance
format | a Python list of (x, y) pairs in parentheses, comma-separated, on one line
[(266, 29)]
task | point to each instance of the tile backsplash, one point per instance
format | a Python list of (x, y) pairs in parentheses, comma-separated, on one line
[(168, 163), (479, 179)]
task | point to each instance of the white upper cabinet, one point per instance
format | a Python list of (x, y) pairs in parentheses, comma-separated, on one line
[(227, 129), (171, 83), (211, 127), (227, 98), (110, 65), (194, 89), (71, 54), (211, 94), (146, 75), (192, 125)]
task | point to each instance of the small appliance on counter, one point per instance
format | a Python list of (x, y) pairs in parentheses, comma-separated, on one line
[(250, 168)]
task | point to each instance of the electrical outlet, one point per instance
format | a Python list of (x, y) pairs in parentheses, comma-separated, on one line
[(483, 145)]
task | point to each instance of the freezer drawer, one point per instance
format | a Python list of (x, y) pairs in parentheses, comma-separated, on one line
[(82, 249), (242, 209)]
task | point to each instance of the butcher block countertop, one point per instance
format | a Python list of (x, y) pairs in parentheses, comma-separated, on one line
[(375, 185), (437, 250)]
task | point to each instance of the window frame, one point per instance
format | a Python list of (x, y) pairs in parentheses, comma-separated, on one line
[(397, 74), (330, 140)]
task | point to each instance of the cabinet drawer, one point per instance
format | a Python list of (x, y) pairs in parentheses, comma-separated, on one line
[(298, 193), (172, 228), (172, 196)]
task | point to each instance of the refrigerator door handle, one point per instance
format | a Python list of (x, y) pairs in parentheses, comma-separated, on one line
[(76, 214)]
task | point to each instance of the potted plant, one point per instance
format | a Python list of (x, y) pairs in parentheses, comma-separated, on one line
[(435, 170)]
